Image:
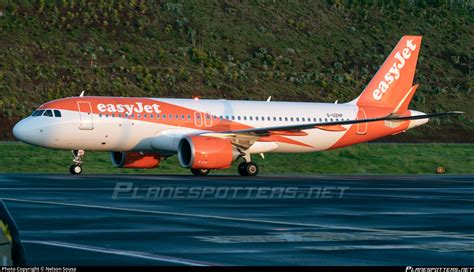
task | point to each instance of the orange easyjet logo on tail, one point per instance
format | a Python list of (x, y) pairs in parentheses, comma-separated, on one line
[(394, 71)]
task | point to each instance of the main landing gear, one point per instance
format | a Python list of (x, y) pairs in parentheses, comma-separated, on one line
[(248, 169), (200, 172), (245, 168), (76, 168)]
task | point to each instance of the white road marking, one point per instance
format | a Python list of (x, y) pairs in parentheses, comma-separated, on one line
[(304, 188), (55, 189), (239, 219), (126, 253), (411, 197)]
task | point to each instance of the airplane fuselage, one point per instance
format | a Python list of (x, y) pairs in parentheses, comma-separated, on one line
[(149, 124)]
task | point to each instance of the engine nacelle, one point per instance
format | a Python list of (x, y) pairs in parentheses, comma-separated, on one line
[(135, 159), (203, 152)]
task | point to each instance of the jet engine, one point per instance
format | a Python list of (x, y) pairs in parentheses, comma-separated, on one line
[(204, 152), (135, 159)]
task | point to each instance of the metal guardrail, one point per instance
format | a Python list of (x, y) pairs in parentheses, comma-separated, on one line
[(12, 252)]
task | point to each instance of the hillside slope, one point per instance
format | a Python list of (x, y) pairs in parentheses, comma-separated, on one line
[(292, 50)]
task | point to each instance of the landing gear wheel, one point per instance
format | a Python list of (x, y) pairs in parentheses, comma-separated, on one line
[(248, 169), (200, 172), (75, 169), (241, 169)]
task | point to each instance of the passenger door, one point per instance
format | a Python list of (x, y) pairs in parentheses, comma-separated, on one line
[(361, 127), (85, 115)]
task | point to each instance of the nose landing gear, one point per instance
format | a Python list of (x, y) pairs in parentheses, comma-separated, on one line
[(76, 168)]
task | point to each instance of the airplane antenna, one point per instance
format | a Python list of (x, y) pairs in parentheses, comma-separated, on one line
[(82, 94), (269, 98), (336, 101), (263, 156)]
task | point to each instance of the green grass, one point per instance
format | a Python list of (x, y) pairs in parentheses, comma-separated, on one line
[(293, 50), (360, 159)]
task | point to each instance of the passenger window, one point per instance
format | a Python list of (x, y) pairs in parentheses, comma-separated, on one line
[(280, 118), (48, 113), (256, 118), (100, 114), (57, 113), (245, 117), (170, 116), (250, 118), (176, 116), (286, 118), (189, 116), (291, 119), (120, 115), (144, 116), (182, 117), (274, 118), (238, 117), (233, 117), (164, 116)]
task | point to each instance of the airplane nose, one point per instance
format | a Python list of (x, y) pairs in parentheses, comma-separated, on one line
[(20, 131)]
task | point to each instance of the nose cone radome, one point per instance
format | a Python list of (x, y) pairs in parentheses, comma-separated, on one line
[(25, 131), (20, 131)]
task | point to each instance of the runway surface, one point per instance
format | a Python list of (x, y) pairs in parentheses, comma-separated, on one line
[(229, 220)]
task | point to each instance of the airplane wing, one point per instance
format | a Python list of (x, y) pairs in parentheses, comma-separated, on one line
[(296, 130)]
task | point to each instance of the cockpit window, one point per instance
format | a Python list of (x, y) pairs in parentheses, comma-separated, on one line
[(48, 113), (37, 113), (57, 113)]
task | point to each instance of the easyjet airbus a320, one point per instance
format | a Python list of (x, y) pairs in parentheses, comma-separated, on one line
[(212, 134)]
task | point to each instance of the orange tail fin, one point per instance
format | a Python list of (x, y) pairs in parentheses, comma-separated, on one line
[(392, 84)]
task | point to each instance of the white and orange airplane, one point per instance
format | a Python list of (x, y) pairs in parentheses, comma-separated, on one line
[(212, 134)]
